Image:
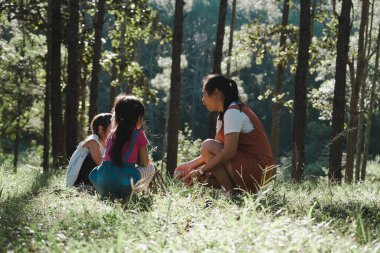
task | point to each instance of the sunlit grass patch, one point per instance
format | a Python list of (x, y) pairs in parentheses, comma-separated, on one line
[(43, 215)]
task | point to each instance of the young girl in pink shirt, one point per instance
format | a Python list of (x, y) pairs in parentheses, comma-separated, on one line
[(126, 151)]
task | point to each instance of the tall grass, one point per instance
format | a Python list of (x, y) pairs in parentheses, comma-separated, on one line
[(37, 213)]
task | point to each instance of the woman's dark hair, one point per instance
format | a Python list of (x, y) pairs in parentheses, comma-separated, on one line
[(227, 86), (126, 111), (103, 120)]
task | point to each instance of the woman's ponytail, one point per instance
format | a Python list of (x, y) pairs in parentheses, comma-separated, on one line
[(227, 86)]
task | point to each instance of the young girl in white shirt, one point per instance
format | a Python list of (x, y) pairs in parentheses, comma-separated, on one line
[(89, 152)]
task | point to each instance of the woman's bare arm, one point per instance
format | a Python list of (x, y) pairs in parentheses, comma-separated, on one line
[(227, 153)]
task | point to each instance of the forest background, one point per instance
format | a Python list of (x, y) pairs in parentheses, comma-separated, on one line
[(64, 61)]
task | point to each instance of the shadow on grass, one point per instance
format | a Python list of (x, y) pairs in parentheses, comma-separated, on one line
[(13, 211)]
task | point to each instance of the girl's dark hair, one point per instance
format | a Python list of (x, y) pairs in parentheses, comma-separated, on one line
[(126, 111), (103, 120), (227, 86)]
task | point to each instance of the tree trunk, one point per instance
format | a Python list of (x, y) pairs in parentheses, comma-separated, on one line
[(361, 134), (218, 55), (16, 144), (113, 77), (123, 62), (82, 76), (55, 82), (353, 119), (279, 77), (45, 159), (299, 109), (339, 102), (370, 110), (96, 68), (72, 80), (231, 39), (175, 89), (82, 129)]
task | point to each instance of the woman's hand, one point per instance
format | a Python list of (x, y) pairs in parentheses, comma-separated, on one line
[(190, 178), (182, 170)]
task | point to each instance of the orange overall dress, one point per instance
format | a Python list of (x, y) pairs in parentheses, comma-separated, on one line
[(253, 164)]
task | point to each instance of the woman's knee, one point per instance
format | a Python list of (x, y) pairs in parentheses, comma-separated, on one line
[(211, 146)]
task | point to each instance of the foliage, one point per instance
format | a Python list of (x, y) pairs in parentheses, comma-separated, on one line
[(22, 78), (263, 40), (38, 213), (133, 23), (162, 80), (188, 149), (30, 14)]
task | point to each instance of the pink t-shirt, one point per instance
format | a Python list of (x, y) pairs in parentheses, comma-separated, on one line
[(141, 141)]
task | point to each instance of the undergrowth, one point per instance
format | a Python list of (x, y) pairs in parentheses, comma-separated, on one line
[(37, 213)]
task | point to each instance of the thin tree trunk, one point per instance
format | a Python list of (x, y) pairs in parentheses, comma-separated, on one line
[(82, 100), (339, 102), (16, 144), (113, 77), (231, 39), (96, 68), (45, 160), (361, 134), (218, 52), (57, 132), (279, 77), (353, 119), (299, 109), (370, 110), (82, 97), (82, 83), (18, 111), (123, 62), (18, 127), (72, 83), (218, 55), (175, 89)]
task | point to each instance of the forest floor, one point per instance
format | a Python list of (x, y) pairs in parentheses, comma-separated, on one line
[(38, 214)]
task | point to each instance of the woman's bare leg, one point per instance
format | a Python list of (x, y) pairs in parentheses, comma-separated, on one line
[(210, 148)]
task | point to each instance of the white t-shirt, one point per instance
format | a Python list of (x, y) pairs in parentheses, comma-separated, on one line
[(235, 121)]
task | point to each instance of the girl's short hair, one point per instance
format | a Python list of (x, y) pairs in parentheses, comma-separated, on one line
[(101, 119), (126, 110)]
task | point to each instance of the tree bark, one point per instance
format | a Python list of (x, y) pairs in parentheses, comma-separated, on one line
[(16, 145), (72, 82), (275, 141), (45, 159), (299, 109), (362, 94), (175, 89), (113, 77), (83, 126), (370, 110), (218, 56), (231, 39), (96, 68), (339, 102), (57, 133), (353, 119)]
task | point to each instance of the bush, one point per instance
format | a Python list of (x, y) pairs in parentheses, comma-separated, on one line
[(188, 148)]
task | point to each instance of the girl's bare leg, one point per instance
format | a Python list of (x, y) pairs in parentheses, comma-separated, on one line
[(223, 174)]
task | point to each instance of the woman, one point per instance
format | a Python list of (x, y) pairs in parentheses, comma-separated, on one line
[(240, 155)]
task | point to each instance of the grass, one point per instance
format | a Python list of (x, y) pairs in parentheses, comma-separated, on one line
[(38, 214)]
